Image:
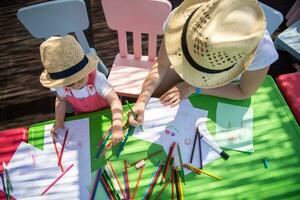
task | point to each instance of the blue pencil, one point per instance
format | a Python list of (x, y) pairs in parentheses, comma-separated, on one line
[(4, 188), (153, 181), (95, 185), (129, 132), (103, 144), (200, 149)]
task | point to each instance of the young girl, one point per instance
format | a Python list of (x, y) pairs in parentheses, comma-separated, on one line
[(75, 79)]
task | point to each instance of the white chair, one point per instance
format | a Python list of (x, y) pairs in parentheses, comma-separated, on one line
[(59, 18)]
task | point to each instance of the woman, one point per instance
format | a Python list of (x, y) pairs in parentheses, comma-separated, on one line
[(218, 48)]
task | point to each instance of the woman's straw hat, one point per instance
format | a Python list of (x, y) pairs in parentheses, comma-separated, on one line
[(210, 42), (64, 61)]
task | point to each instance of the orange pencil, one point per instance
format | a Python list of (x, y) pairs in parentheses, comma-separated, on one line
[(108, 146), (138, 181), (57, 154), (102, 139), (115, 174), (163, 189)]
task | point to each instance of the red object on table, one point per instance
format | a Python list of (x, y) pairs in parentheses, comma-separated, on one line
[(9, 142), (289, 85)]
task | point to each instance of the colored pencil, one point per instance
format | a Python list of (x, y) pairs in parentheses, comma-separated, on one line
[(116, 177), (107, 148), (57, 154), (181, 167), (163, 189), (200, 149), (199, 171), (57, 179), (165, 171), (137, 182), (180, 185), (95, 184), (145, 158), (110, 184), (104, 137), (63, 147), (4, 187), (126, 181), (133, 113), (108, 191), (176, 184), (153, 181), (173, 182), (194, 144), (121, 148), (103, 145)]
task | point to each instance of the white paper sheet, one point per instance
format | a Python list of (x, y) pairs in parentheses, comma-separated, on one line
[(234, 129), (31, 171)]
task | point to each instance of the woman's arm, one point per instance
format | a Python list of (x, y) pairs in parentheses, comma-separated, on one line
[(156, 75), (117, 119), (248, 85)]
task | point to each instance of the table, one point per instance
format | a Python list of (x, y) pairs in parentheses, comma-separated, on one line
[(276, 138)]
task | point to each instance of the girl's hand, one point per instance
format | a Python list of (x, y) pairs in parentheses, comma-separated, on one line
[(177, 93), (117, 135), (55, 128), (139, 110)]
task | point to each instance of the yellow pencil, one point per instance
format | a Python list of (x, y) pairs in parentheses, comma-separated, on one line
[(180, 184), (199, 171)]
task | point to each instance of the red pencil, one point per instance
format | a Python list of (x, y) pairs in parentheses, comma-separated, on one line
[(138, 181), (111, 196), (115, 174), (57, 179), (57, 154), (168, 162), (108, 146), (62, 148), (104, 136)]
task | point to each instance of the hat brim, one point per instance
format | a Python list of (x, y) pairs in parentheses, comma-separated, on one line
[(179, 63), (48, 82)]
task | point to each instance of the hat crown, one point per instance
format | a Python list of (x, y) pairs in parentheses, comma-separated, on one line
[(60, 53), (222, 33)]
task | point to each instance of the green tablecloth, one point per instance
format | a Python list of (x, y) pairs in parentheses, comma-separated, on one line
[(276, 138)]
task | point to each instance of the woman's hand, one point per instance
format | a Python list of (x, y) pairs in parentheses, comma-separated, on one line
[(139, 110), (177, 93)]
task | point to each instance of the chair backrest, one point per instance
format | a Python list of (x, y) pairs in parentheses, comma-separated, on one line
[(274, 17), (137, 16), (56, 18)]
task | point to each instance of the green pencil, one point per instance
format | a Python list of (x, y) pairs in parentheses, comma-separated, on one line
[(134, 116), (181, 167)]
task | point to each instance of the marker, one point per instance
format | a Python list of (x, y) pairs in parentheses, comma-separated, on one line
[(212, 144), (194, 144), (133, 113), (200, 149), (199, 171)]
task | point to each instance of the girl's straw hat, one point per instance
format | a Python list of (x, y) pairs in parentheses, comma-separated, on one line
[(211, 42), (64, 61)]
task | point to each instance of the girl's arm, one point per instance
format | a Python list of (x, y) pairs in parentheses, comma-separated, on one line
[(117, 120), (60, 111)]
